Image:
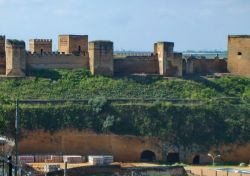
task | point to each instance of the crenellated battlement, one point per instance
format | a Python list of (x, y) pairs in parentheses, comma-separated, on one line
[(41, 40), (46, 54), (15, 43), (2, 37)]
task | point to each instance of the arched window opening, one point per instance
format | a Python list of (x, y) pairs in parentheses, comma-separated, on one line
[(196, 160), (148, 156)]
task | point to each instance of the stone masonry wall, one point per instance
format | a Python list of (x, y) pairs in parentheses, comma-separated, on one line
[(101, 58), (239, 55), (73, 44), (50, 61), (208, 66), (15, 58), (40, 45), (123, 148), (136, 64)]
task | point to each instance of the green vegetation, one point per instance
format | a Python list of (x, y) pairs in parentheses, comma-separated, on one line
[(211, 122), (64, 84)]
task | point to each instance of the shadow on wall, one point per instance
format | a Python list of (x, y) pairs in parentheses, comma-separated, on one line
[(140, 78), (44, 73)]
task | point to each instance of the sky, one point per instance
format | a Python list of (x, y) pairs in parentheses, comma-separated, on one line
[(130, 24)]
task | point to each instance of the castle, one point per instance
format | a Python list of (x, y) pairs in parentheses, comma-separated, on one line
[(75, 51)]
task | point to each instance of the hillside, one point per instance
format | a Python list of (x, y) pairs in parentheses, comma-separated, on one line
[(79, 84), (214, 121)]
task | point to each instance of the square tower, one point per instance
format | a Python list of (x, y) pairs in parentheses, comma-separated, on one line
[(101, 57), (40, 46), (76, 44), (15, 58), (239, 55), (165, 53)]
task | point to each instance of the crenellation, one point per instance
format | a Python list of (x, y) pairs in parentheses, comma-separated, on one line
[(76, 52), (41, 46)]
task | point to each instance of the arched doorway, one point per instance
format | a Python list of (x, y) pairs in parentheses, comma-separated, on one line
[(196, 160), (173, 158), (148, 156)]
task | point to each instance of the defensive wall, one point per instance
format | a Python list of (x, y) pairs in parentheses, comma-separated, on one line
[(203, 66), (124, 148), (136, 64), (56, 60), (239, 55), (76, 52)]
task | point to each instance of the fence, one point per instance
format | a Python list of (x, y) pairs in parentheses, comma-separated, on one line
[(213, 172), (8, 168)]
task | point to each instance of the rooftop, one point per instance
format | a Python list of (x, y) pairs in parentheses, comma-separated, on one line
[(239, 36)]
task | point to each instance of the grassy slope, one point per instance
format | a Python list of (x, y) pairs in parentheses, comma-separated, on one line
[(64, 84)]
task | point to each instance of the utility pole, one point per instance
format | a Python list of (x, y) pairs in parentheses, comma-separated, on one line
[(17, 133)]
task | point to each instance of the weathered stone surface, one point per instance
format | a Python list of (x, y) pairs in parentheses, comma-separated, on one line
[(239, 55), (73, 44), (101, 58), (40, 46), (15, 58)]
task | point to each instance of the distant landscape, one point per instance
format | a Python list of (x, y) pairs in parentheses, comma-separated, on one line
[(208, 54)]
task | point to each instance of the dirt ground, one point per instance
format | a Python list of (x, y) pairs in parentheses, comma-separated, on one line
[(40, 166)]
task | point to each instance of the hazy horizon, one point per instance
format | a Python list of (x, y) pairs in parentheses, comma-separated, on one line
[(134, 25)]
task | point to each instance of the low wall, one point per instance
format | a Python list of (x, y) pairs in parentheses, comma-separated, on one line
[(136, 64), (50, 61), (118, 171), (123, 148)]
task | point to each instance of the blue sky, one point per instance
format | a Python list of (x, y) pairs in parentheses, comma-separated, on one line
[(131, 24)]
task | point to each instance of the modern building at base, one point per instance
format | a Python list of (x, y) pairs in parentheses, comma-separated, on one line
[(98, 56)]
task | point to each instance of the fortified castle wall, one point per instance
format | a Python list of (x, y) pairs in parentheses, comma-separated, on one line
[(163, 61), (136, 64), (56, 60), (76, 52), (204, 66)]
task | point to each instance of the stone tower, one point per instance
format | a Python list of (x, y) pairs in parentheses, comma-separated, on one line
[(76, 44), (15, 58), (165, 53), (40, 46), (239, 55), (101, 57)]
